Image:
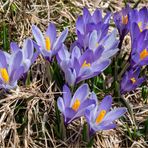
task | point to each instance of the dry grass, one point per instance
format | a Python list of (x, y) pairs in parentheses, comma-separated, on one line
[(27, 115)]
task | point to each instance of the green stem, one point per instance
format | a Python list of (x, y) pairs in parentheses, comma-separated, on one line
[(128, 108), (123, 70), (116, 80)]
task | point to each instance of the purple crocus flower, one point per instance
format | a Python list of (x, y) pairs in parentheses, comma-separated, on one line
[(79, 66), (108, 42), (140, 20), (74, 107), (100, 118), (11, 69), (29, 56), (86, 23), (131, 80), (139, 54), (121, 20), (48, 44)]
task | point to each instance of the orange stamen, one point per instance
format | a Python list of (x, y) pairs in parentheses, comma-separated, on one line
[(76, 105), (133, 80), (48, 43), (125, 19), (143, 54), (4, 75), (100, 116), (85, 64)]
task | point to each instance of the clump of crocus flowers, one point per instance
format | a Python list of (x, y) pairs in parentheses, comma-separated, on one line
[(89, 55), (135, 22), (85, 103)]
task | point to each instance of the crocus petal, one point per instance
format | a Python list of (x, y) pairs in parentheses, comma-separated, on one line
[(93, 40), (110, 53), (94, 97), (86, 104), (89, 104), (38, 36), (81, 93), (65, 64), (17, 74), (76, 52), (100, 66), (70, 77), (98, 52), (35, 55), (84, 73), (69, 115), (110, 40), (140, 81), (16, 61), (76, 66), (105, 104), (14, 47), (28, 49), (107, 127), (86, 15), (97, 16), (51, 32), (3, 61), (63, 54), (107, 18), (87, 115), (66, 95), (27, 64), (113, 115), (134, 31), (79, 25), (60, 104), (95, 70), (10, 86), (60, 39), (87, 55)]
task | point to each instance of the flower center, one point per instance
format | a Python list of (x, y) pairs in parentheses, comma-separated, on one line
[(4, 75), (125, 19), (133, 80), (97, 44), (140, 25), (48, 43), (143, 54), (100, 116), (76, 105), (85, 64)]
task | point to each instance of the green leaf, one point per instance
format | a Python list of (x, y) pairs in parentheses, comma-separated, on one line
[(28, 78), (5, 38), (14, 7), (144, 93), (91, 142), (85, 132), (146, 128)]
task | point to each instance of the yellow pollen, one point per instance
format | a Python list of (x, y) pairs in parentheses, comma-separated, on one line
[(133, 80), (125, 19), (48, 43), (4, 75), (85, 64), (97, 44), (143, 54), (76, 105), (140, 24), (100, 116)]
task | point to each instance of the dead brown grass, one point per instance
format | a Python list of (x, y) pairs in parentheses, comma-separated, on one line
[(27, 115)]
